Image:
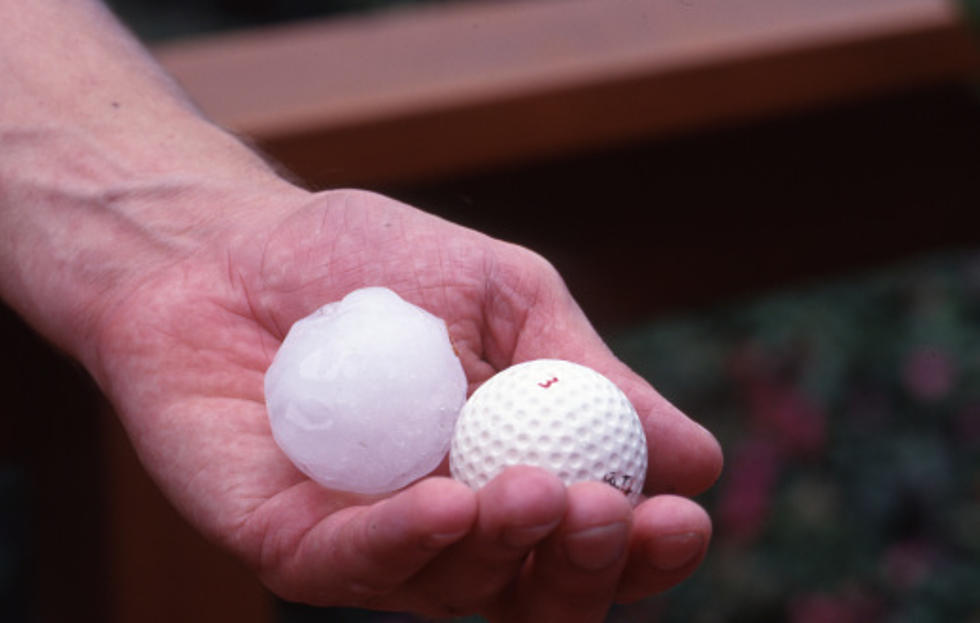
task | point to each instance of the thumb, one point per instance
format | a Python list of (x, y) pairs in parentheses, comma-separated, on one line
[(684, 457)]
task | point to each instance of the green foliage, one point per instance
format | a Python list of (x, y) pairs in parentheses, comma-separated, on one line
[(850, 416)]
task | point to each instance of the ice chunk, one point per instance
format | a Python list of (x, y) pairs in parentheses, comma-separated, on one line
[(364, 393)]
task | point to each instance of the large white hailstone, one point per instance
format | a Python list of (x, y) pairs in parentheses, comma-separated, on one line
[(364, 393)]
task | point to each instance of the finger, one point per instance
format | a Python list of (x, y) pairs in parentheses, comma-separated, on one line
[(683, 456), (517, 510), (572, 576), (669, 540), (362, 555)]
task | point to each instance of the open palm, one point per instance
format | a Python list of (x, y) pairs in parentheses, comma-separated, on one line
[(182, 357)]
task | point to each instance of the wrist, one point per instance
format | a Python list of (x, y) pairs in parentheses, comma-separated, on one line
[(87, 216), (107, 172)]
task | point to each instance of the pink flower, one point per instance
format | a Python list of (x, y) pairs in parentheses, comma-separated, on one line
[(967, 424), (789, 416), (777, 407), (907, 564), (746, 497), (928, 373), (821, 608), (850, 605)]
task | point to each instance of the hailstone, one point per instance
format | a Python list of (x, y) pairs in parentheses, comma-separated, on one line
[(363, 393)]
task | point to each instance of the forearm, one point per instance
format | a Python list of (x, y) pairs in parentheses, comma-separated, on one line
[(105, 166)]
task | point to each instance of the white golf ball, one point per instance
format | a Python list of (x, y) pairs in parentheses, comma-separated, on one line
[(553, 414)]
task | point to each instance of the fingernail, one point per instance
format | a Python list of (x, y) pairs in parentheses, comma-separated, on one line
[(596, 548), (675, 551), (523, 536)]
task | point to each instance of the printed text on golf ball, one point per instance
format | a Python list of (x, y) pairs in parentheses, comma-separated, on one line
[(554, 414)]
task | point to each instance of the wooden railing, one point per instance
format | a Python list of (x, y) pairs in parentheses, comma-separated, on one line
[(415, 94)]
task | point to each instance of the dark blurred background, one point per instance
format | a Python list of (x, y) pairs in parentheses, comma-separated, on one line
[(158, 21), (807, 285)]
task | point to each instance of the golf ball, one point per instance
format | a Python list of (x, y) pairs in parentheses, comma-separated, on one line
[(553, 414)]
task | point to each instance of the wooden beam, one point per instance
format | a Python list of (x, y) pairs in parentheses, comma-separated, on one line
[(417, 93)]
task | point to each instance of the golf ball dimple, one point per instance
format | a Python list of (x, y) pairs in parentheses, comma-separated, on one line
[(553, 414)]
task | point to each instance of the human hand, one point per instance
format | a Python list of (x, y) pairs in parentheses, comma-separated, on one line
[(182, 354)]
